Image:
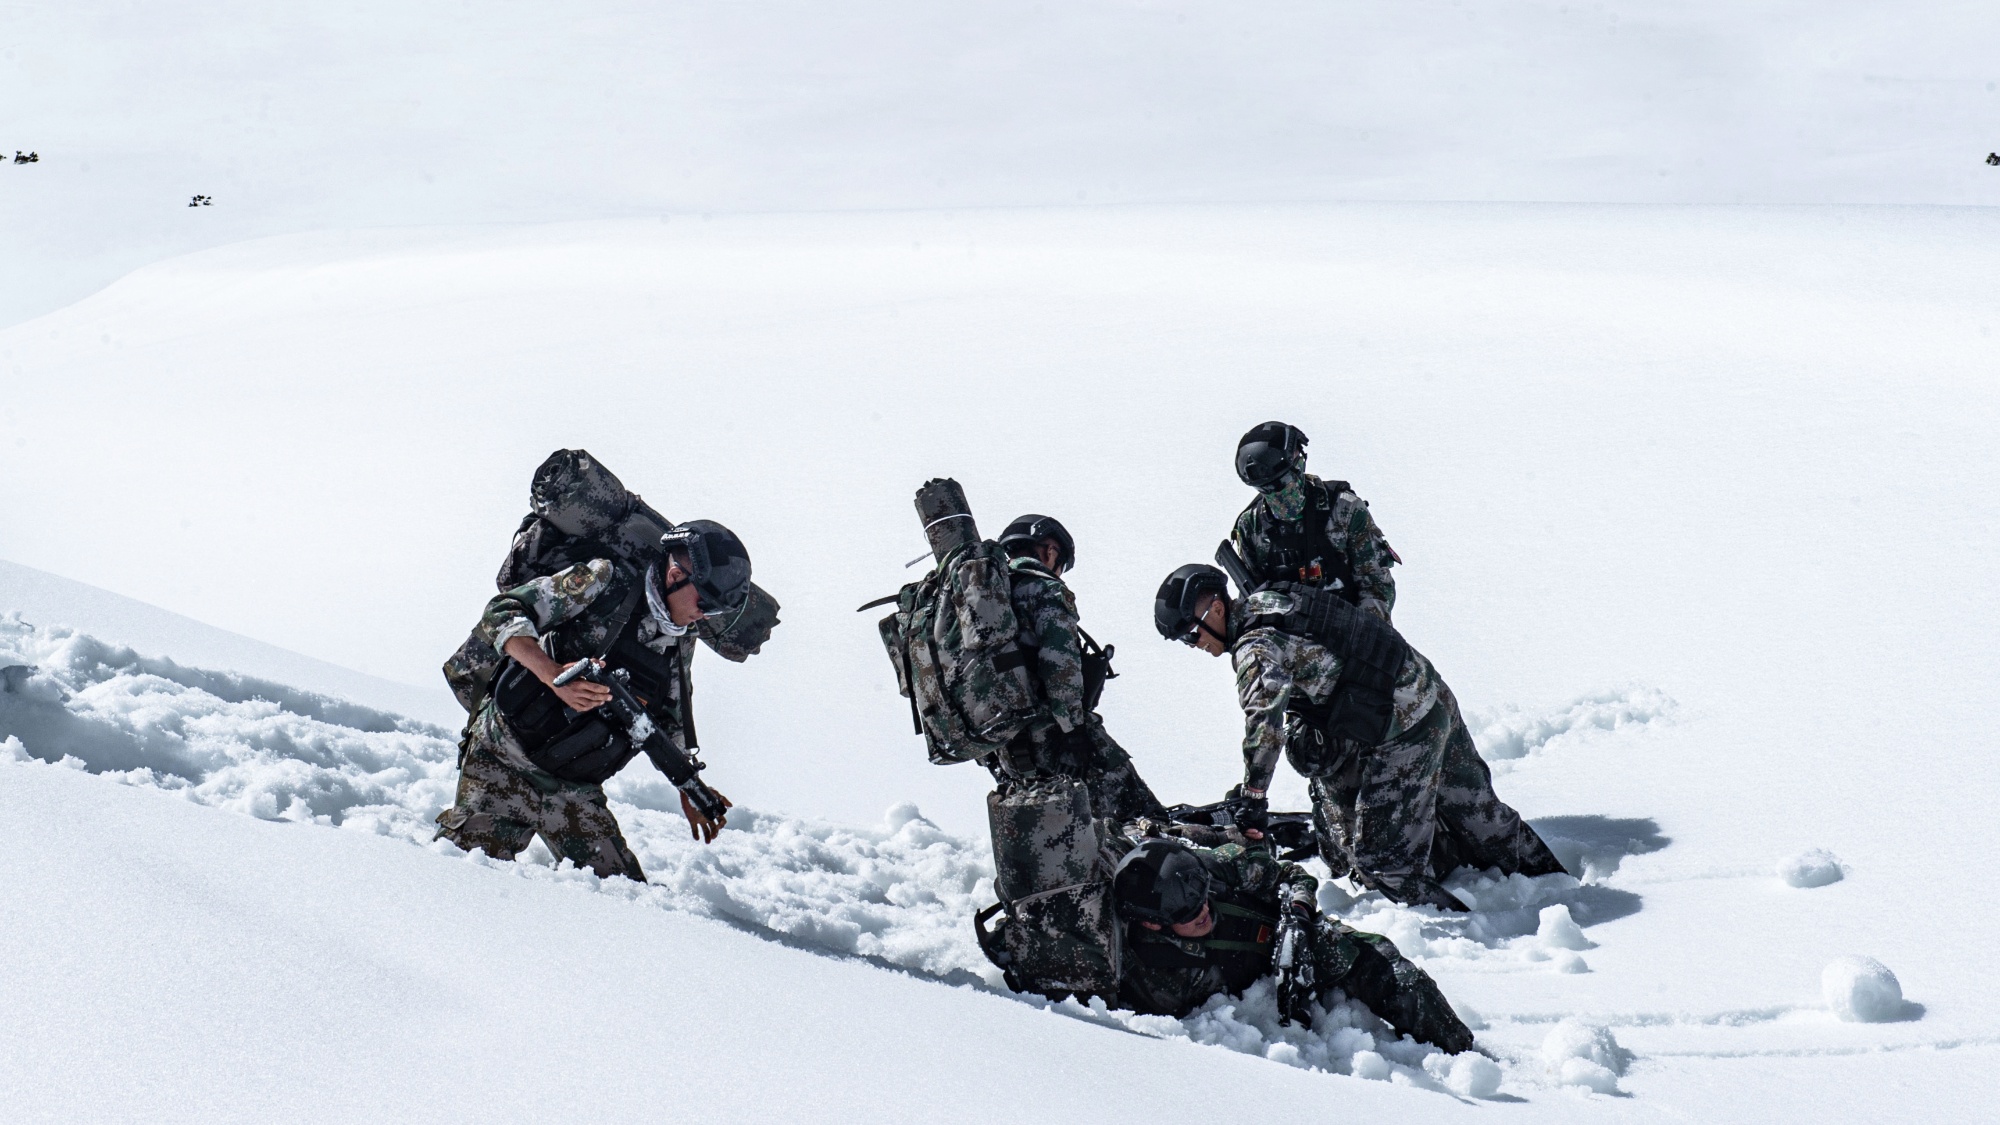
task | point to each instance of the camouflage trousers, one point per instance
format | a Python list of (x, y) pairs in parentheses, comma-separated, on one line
[(1087, 754), (500, 809), (1401, 816), (1369, 968)]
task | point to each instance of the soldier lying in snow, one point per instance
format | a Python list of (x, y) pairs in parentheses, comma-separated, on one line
[(1204, 922)]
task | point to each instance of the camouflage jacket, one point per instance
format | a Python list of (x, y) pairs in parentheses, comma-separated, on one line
[(572, 614), (1349, 528), (1170, 975), (1046, 610), (1274, 667)]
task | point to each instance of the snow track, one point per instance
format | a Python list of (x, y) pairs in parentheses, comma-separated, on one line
[(898, 894)]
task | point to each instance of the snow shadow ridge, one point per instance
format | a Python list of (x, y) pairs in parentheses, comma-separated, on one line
[(1593, 846)]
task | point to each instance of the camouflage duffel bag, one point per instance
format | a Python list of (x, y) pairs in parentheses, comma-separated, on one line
[(1056, 943)]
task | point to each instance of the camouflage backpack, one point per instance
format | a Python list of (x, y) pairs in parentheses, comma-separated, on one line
[(1059, 935), (953, 642), (579, 510)]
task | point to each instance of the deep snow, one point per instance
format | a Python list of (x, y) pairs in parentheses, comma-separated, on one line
[(1691, 500)]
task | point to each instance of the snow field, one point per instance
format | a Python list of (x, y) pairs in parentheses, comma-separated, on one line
[(900, 894)]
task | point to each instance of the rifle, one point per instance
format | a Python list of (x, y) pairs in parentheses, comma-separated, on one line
[(1292, 964), (1232, 564), (1292, 832), (706, 809)]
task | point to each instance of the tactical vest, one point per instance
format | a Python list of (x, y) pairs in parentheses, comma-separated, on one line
[(1300, 551), (1371, 653), (1234, 954), (583, 748)]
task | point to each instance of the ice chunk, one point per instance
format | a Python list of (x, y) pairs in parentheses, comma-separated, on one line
[(1582, 1054), (1814, 867), (1862, 990), (1559, 931)]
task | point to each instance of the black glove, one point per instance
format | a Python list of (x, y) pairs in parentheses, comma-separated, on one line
[(1247, 812), (1292, 960)]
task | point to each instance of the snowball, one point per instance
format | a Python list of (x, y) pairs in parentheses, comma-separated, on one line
[(1471, 1075), (1582, 1054), (1814, 867), (1861, 990), (1589, 1075), (1369, 1065), (1559, 931), (1567, 962)]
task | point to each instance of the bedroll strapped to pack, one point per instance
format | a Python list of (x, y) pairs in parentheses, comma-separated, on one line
[(579, 510), (953, 639), (1057, 933)]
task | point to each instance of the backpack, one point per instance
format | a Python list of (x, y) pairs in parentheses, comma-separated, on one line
[(953, 640), (579, 510), (1059, 935)]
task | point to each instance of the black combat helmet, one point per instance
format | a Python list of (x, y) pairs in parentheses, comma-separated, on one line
[(1163, 882), (1025, 534), (1174, 605), (1269, 453), (717, 560)]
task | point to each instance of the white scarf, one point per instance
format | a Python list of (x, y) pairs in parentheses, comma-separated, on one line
[(663, 620)]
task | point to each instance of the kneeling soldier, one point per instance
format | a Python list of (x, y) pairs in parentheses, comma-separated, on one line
[(1204, 922), (597, 672), (1402, 793)]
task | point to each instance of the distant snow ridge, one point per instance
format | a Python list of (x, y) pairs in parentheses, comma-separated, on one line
[(901, 893), (1510, 733)]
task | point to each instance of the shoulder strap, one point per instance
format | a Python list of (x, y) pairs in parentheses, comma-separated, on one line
[(623, 616)]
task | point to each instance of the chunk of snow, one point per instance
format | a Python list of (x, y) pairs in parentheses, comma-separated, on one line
[(1559, 931), (1369, 1065), (1582, 1054), (1862, 990), (1568, 962), (1469, 1074), (1589, 1075), (1814, 867)]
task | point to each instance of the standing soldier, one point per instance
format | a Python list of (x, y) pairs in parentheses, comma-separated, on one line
[(1394, 775), (1307, 531), (1069, 670), (539, 748)]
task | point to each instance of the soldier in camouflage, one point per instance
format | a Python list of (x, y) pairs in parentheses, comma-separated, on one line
[(1069, 673), (1203, 922), (1399, 811), (1305, 530), (533, 760)]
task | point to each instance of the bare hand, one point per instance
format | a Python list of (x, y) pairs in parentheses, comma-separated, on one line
[(579, 694), (704, 828)]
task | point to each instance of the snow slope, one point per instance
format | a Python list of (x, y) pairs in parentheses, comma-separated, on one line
[(200, 938), (318, 115), (177, 964), (1693, 503), (48, 599)]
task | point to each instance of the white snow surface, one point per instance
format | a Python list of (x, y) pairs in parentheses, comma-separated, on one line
[(1694, 511), (321, 114)]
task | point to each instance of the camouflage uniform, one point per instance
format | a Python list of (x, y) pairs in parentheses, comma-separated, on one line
[(1350, 531), (1398, 815), (1070, 741), (1171, 975), (503, 799)]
